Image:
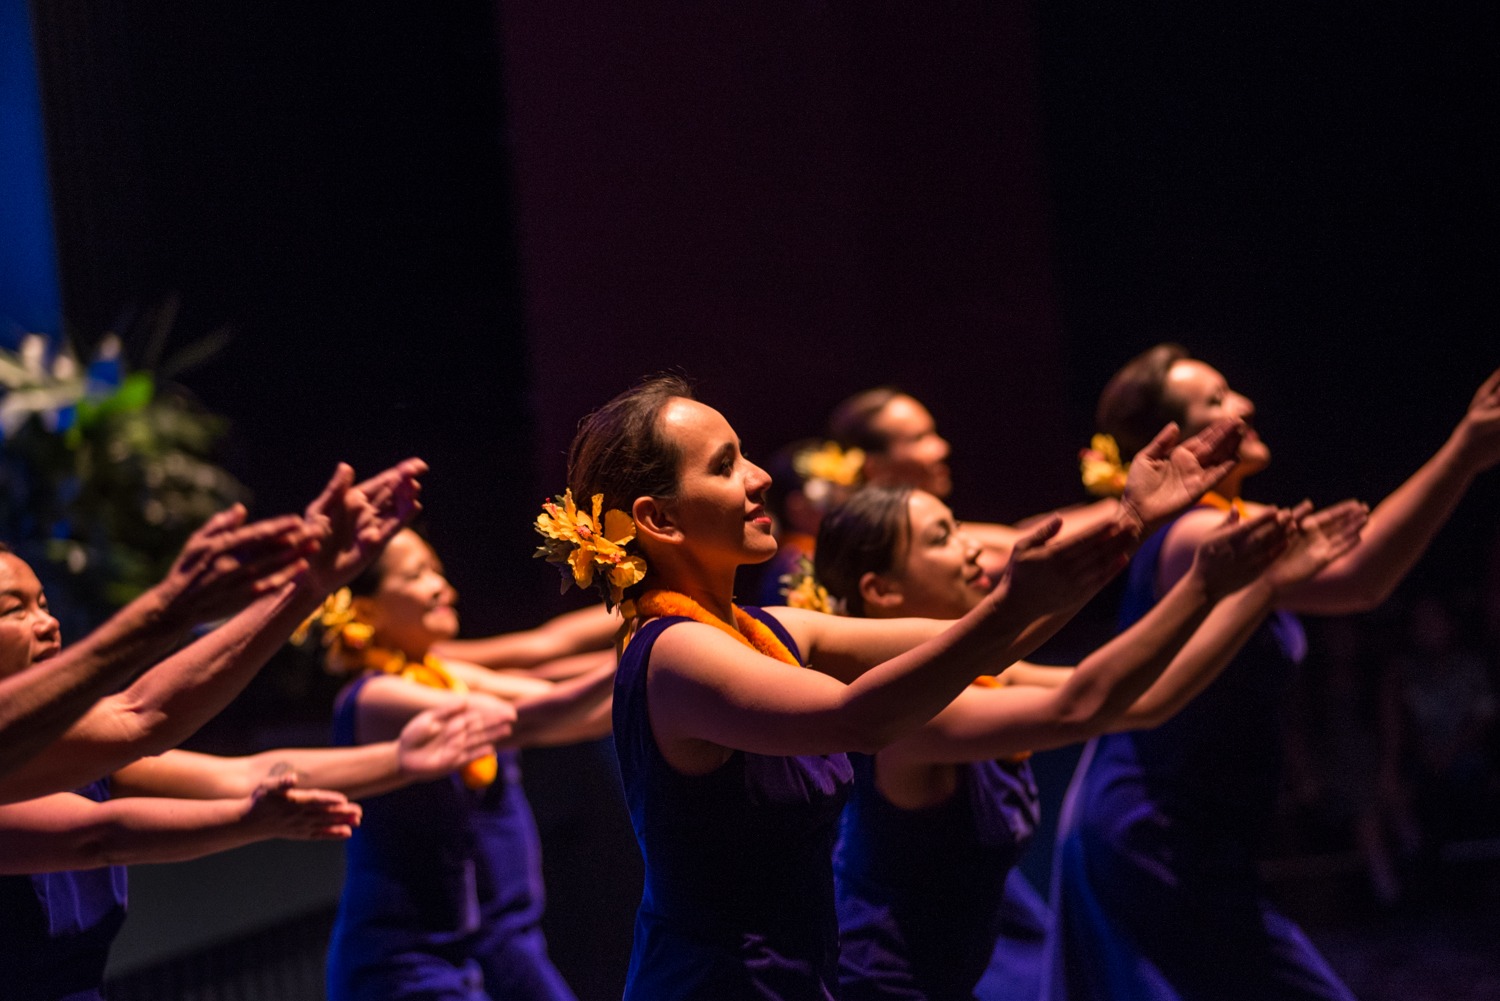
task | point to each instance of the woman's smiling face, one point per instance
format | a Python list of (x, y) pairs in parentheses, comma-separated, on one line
[(28, 632), (412, 608), (720, 505), (939, 575)]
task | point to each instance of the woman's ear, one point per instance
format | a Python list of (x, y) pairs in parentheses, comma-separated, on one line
[(880, 592), (653, 520)]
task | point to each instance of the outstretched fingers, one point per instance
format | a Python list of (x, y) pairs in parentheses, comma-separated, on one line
[(226, 563)]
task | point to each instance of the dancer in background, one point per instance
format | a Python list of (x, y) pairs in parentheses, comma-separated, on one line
[(443, 892), (62, 891), (901, 446), (730, 750), (809, 478), (222, 567), (929, 842), (340, 532), (1155, 889)]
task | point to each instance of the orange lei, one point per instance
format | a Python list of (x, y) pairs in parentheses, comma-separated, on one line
[(747, 628), (1225, 504), (430, 671)]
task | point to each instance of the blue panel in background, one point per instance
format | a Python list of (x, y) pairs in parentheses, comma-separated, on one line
[(30, 299)]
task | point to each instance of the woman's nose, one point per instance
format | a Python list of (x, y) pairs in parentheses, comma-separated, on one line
[(757, 479), (46, 625)]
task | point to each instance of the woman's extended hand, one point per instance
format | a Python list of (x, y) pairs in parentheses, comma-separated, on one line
[(1478, 433), (1318, 538), (1168, 476), (444, 739), (277, 809), (353, 523), (1237, 552), (1049, 576), (226, 563)]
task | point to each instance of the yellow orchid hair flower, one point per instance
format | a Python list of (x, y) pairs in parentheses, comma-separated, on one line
[(589, 546), (1103, 472)]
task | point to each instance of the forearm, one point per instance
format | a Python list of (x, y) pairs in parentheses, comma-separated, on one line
[(1398, 532), (168, 703), (553, 718), (38, 705), (592, 725), (571, 633), (125, 832), (895, 698), (357, 772), (1212, 646), (1109, 680)]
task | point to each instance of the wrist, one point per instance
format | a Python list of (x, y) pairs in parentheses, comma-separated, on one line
[(1129, 517), (161, 607)]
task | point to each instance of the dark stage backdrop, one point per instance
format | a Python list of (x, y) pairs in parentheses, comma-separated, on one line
[(452, 235), (791, 203)]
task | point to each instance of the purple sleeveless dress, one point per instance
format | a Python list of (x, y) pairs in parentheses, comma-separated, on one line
[(738, 896), (1154, 883), (57, 928), (442, 893), (924, 895)]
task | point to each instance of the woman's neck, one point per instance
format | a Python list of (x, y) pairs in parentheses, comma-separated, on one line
[(1229, 487), (714, 591)]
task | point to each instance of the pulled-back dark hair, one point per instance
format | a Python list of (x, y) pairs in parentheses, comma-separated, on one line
[(619, 450), (1134, 405), (860, 536), (852, 422)]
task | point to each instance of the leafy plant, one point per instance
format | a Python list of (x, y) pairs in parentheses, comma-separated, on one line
[(104, 472)]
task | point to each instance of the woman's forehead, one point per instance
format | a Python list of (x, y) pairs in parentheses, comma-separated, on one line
[(695, 425), (16, 574)]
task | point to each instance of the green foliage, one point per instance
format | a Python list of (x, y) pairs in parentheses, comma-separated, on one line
[(103, 474)]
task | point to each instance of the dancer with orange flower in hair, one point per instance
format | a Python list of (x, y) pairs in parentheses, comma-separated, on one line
[(898, 439), (925, 862), (1155, 885), (731, 724), (62, 881), (443, 890)]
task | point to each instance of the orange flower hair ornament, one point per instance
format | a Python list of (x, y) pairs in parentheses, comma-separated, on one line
[(344, 635), (1103, 472), (801, 589), (827, 467), (589, 547), (347, 638)]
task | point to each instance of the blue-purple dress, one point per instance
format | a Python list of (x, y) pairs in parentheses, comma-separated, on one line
[(738, 896), (1154, 881), (924, 895), (442, 893), (56, 928)]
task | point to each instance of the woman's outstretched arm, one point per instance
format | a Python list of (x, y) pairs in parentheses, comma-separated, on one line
[(171, 701), (1176, 649), (65, 831), (223, 566)]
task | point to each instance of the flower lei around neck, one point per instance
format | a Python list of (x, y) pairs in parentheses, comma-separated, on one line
[(348, 641), (746, 628)]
